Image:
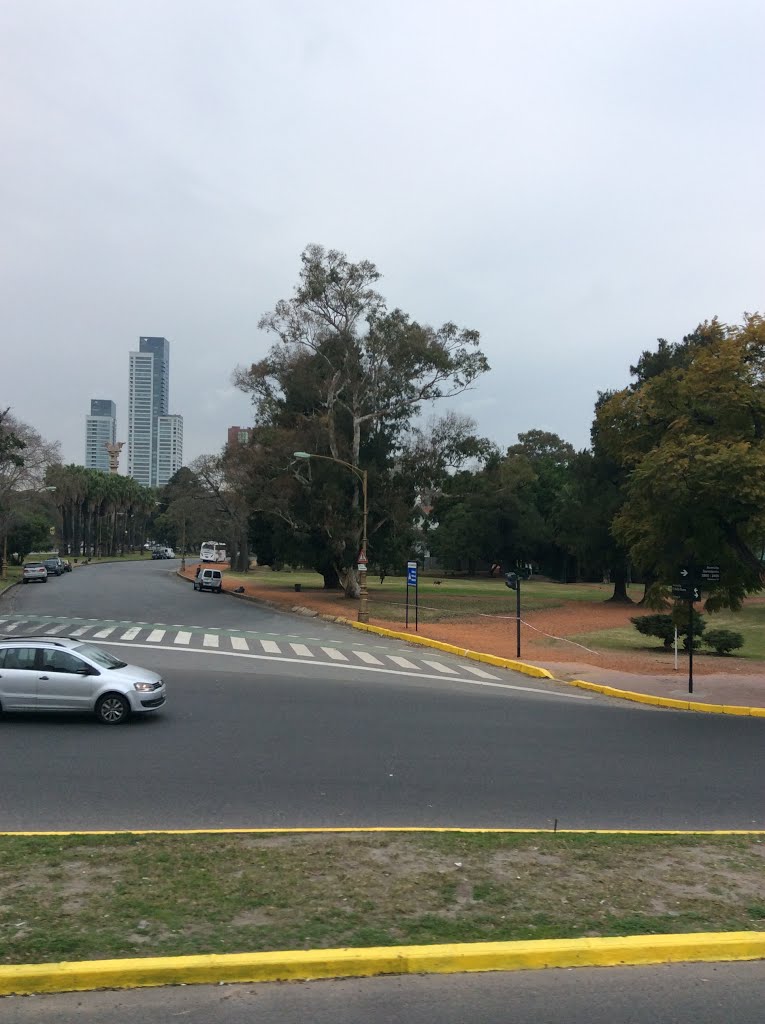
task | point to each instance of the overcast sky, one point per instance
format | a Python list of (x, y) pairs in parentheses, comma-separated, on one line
[(573, 180)]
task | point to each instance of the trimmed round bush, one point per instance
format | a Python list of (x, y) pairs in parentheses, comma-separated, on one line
[(723, 641)]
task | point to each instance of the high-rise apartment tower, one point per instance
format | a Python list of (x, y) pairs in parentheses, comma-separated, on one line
[(100, 430), (148, 401)]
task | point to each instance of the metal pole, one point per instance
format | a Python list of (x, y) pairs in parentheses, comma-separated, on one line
[(363, 592), (417, 601), (5, 553), (183, 545), (518, 616), (690, 644)]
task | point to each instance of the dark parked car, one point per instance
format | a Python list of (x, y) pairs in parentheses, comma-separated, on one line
[(54, 566)]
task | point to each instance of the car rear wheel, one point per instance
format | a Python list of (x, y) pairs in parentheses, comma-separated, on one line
[(112, 709)]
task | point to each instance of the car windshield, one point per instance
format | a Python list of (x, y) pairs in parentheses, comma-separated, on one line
[(33, 565), (100, 657)]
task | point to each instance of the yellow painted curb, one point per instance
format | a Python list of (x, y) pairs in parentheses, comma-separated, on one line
[(424, 641), (305, 965), (666, 702)]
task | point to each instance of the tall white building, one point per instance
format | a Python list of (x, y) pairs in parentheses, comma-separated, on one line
[(169, 447), (100, 429), (148, 399)]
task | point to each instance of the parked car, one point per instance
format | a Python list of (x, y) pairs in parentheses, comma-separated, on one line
[(55, 566), (34, 572), (43, 673), (163, 553), (209, 579)]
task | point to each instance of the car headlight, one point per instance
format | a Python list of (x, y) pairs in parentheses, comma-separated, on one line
[(146, 687)]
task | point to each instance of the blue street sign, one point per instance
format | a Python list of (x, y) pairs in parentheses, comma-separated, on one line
[(411, 574)]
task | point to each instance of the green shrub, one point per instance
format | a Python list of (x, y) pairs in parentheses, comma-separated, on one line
[(657, 625), (723, 641), (663, 626)]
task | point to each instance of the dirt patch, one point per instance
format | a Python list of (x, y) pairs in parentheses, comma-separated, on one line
[(545, 635)]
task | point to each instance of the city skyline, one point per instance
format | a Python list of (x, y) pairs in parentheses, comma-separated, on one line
[(100, 430), (155, 437)]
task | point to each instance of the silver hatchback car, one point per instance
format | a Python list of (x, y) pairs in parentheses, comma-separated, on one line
[(44, 673)]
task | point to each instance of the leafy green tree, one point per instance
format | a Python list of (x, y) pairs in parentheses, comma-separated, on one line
[(692, 442), (29, 531), (346, 379)]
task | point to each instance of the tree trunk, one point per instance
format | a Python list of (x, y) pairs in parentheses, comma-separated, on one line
[(331, 578), (619, 576), (351, 584)]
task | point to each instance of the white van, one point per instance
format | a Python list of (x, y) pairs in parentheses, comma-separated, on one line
[(209, 579)]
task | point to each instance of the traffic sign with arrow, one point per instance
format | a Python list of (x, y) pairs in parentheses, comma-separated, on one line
[(686, 592)]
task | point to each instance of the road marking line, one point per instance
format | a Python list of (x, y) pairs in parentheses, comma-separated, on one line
[(270, 647), (440, 668), (478, 672), (156, 635), (129, 634), (403, 662), (182, 637), (302, 650), (55, 629), (365, 656), (103, 633), (355, 668), (12, 625), (336, 655), (239, 643), (84, 629), (210, 640)]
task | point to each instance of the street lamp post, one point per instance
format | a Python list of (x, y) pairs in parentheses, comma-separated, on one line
[(361, 474), (183, 545)]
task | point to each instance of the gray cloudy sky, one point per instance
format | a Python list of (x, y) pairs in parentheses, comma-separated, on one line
[(571, 179)]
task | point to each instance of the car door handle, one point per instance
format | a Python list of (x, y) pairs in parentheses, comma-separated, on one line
[(43, 678)]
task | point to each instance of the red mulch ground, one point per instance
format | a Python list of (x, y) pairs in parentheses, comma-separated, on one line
[(497, 636)]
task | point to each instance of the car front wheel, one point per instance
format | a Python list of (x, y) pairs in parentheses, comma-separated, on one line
[(112, 709)]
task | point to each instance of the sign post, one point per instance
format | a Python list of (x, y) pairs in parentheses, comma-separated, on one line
[(513, 580), (692, 577), (412, 581)]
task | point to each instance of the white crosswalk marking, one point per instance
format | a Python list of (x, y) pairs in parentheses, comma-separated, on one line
[(131, 634), (182, 637), (402, 662), (84, 629), (440, 668), (334, 654), (301, 650), (156, 635), (368, 658), (270, 647), (210, 640), (478, 672), (103, 633), (239, 643), (55, 629), (12, 625)]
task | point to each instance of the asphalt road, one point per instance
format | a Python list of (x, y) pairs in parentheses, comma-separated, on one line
[(247, 742), (671, 994)]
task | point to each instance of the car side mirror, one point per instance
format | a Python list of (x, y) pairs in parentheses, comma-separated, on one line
[(87, 670)]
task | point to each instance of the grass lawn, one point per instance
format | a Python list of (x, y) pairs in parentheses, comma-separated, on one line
[(750, 622), (442, 598), (78, 897)]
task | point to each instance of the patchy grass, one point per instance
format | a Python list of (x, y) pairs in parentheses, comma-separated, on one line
[(78, 897), (442, 598), (750, 622)]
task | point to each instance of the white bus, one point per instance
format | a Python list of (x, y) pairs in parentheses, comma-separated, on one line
[(212, 551)]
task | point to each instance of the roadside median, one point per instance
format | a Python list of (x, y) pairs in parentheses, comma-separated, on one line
[(305, 904)]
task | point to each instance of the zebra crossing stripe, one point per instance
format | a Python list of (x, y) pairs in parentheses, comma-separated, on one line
[(334, 654), (477, 672), (439, 667), (270, 647), (368, 658), (84, 629), (301, 650), (12, 625), (239, 643), (402, 662), (182, 637), (129, 634), (210, 640), (103, 633), (55, 629), (156, 635)]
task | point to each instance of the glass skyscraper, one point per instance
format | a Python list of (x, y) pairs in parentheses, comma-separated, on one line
[(148, 401), (100, 429)]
